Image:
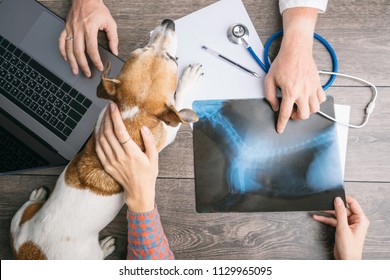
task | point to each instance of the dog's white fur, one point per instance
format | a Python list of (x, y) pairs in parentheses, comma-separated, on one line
[(67, 226), (68, 230)]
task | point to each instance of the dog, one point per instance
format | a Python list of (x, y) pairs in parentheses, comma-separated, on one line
[(85, 198)]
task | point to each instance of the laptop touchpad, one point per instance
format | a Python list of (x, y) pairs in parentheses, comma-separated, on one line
[(41, 42)]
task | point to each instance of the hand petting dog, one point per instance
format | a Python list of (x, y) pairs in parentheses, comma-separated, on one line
[(120, 156)]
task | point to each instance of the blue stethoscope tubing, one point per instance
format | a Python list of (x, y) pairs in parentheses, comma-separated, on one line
[(266, 65), (335, 65)]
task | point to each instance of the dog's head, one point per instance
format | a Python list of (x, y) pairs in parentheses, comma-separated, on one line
[(147, 82)]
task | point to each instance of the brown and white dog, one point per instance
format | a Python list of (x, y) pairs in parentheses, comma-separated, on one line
[(85, 198)]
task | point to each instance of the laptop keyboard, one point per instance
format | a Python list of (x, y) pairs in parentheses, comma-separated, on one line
[(15, 155), (40, 93)]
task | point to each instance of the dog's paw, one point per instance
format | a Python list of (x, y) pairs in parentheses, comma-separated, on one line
[(39, 194), (108, 245), (189, 78)]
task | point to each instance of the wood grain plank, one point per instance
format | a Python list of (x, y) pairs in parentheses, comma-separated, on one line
[(276, 235), (289, 235), (14, 192), (352, 21), (367, 152), (358, 33)]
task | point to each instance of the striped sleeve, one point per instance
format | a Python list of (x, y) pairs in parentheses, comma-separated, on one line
[(146, 238), (318, 4)]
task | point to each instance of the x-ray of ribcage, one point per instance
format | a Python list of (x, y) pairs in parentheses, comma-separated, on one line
[(243, 164)]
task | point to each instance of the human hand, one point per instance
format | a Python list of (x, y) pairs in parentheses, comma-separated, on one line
[(84, 20), (121, 157), (294, 70), (351, 228)]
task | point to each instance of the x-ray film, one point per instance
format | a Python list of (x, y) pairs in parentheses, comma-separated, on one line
[(243, 165)]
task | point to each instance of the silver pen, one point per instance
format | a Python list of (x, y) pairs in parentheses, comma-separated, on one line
[(214, 53)]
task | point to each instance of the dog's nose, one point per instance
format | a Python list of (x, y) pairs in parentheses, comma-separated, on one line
[(170, 24)]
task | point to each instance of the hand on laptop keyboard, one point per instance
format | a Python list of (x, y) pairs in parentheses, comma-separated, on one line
[(84, 20)]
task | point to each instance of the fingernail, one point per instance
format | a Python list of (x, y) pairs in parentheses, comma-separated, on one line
[(146, 129), (280, 130), (74, 71), (338, 201), (112, 107), (275, 108)]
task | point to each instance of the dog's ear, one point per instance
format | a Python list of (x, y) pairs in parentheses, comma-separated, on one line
[(107, 87), (172, 117)]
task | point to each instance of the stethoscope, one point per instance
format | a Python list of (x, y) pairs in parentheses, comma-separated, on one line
[(238, 33)]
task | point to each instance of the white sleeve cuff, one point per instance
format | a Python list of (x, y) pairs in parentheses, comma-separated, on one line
[(318, 4)]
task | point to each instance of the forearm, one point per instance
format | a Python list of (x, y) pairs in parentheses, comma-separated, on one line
[(84, 6), (140, 201), (298, 27), (320, 5), (146, 237)]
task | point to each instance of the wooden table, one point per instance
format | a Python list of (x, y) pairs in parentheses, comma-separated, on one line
[(360, 34)]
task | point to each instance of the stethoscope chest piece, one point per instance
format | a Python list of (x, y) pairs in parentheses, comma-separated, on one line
[(238, 33)]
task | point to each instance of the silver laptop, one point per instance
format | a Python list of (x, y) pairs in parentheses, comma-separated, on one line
[(46, 113)]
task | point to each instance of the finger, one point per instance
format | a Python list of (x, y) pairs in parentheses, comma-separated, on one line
[(333, 212), (115, 143), (284, 114), (112, 36), (303, 110), (150, 144), (61, 44), (354, 206), (102, 140), (92, 48), (321, 95), (104, 119), (314, 104), (341, 213), (330, 212), (79, 53), (326, 220), (100, 152), (357, 210), (270, 93), (120, 130), (71, 58)]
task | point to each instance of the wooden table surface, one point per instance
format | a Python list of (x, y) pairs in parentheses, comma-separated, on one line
[(360, 34)]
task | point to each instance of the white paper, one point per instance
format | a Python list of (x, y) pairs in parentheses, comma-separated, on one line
[(208, 27), (221, 80), (342, 114)]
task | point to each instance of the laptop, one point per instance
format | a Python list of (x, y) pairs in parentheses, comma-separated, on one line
[(46, 112)]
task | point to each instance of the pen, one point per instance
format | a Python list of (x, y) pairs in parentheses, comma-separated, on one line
[(214, 53)]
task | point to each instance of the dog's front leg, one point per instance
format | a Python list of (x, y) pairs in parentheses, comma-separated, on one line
[(187, 81)]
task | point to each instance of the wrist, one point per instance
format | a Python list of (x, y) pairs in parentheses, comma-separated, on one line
[(86, 1), (140, 205), (84, 7), (298, 26)]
